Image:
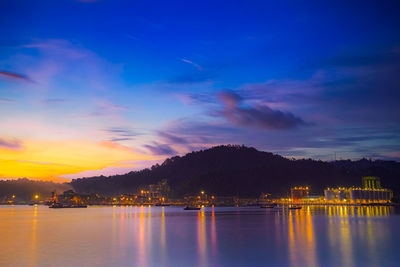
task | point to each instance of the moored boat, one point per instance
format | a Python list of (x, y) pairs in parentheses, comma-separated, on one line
[(191, 208), (268, 206), (162, 205), (61, 206)]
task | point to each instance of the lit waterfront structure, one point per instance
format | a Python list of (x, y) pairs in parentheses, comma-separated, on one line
[(371, 192), (312, 199), (337, 194), (298, 192), (371, 182)]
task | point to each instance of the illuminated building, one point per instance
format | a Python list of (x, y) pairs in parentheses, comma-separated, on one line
[(371, 192), (371, 182), (370, 195), (298, 192), (337, 194), (312, 199)]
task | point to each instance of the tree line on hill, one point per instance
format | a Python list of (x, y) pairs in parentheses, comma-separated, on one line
[(24, 189), (232, 170)]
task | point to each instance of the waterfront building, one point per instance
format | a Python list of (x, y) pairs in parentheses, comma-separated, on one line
[(371, 192), (371, 182), (298, 192), (360, 195), (312, 199), (340, 194)]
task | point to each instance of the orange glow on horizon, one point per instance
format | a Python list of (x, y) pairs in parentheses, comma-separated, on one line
[(47, 160)]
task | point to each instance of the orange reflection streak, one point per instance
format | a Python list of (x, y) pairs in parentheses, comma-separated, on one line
[(372, 240), (278, 229), (301, 238), (345, 242), (149, 229), (163, 241), (122, 233), (142, 253), (310, 239), (201, 238), (213, 233), (292, 242), (34, 237), (114, 232)]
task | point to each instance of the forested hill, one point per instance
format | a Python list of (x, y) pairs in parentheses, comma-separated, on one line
[(243, 171), (25, 189)]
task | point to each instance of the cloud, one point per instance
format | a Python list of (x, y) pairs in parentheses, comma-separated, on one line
[(12, 145), (107, 105), (5, 99), (197, 66), (122, 131), (122, 134), (121, 139), (15, 76), (171, 138), (200, 75), (161, 149), (257, 116), (60, 47), (190, 134)]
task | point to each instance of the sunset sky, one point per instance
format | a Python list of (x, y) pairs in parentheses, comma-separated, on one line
[(105, 87)]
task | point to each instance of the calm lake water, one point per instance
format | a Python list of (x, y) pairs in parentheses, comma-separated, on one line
[(170, 236)]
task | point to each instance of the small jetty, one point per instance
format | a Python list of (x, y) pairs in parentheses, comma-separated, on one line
[(62, 206), (268, 206), (191, 208), (162, 205)]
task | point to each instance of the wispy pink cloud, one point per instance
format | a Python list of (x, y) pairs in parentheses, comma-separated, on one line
[(15, 76), (197, 66), (12, 145)]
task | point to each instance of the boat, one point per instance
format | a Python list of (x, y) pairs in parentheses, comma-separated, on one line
[(162, 205), (191, 208), (294, 207), (57, 206), (61, 206), (268, 206), (79, 206)]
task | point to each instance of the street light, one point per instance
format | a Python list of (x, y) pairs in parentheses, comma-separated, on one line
[(36, 196)]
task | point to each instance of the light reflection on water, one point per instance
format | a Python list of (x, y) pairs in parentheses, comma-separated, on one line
[(169, 236)]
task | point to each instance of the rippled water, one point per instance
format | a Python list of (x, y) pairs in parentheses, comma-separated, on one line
[(170, 236)]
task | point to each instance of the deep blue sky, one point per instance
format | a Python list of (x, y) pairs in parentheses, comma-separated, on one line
[(300, 78)]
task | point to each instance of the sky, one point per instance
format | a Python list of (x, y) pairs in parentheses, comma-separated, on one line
[(106, 87)]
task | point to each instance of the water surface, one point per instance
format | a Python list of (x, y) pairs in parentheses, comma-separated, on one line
[(170, 236)]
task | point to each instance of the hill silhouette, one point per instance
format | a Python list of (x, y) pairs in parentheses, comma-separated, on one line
[(243, 171), (24, 189)]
